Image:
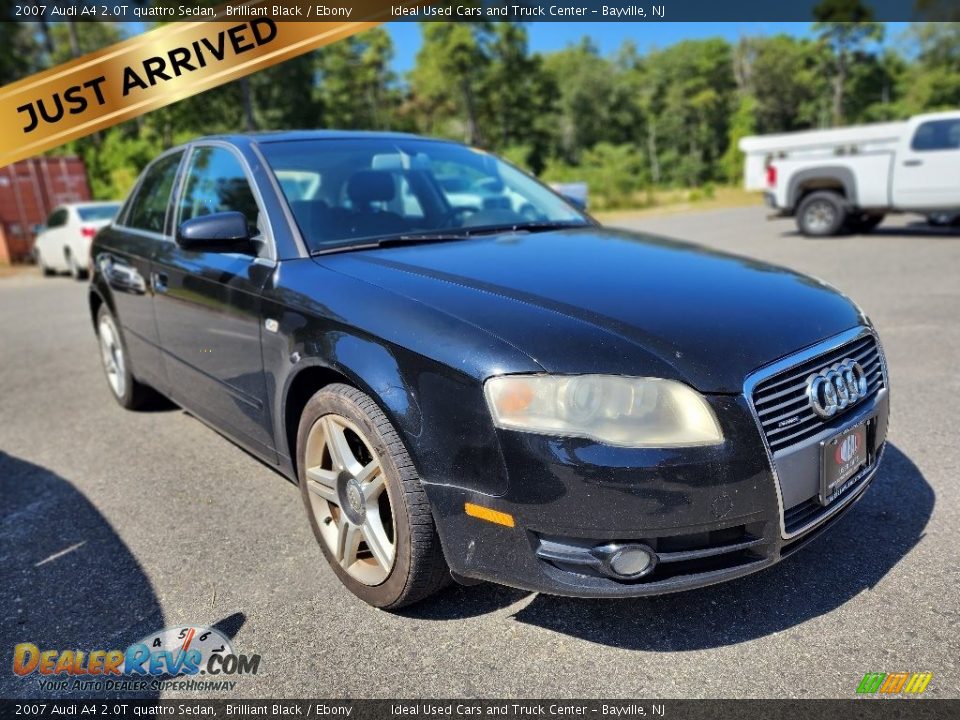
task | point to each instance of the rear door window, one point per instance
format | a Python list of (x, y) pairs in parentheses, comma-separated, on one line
[(148, 210), (58, 218), (937, 135)]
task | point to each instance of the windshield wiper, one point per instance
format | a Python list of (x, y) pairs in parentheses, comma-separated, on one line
[(472, 232), (438, 236), (409, 239), (537, 225), (421, 238)]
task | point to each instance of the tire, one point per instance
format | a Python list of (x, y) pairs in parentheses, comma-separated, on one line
[(943, 219), (821, 214), (375, 499), (116, 363), (863, 222), (45, 269), (76, 272)]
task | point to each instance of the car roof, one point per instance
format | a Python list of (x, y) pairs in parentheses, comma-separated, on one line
[(292, 135), (87, 204)]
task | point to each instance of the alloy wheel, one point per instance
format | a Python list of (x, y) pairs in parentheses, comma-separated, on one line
[(349, 499), (111, 351), (820, 216)]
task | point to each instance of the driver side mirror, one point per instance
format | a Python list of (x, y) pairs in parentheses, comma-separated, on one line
[(224, 232)]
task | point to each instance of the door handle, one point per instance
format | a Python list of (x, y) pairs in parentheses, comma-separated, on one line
[(159, 282), (912, 163)]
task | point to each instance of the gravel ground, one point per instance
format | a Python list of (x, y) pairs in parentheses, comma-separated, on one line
[(116, 524)]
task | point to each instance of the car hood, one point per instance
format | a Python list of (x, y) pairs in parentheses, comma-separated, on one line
[(601, 300)]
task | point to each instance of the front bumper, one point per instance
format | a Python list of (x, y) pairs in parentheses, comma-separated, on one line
[(710, 514)]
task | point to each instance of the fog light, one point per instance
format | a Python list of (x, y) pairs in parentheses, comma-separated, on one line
[(626, 561)]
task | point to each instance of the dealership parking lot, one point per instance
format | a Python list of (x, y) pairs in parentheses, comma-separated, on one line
[(115, 524)]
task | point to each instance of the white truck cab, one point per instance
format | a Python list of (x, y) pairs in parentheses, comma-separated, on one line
[(849, 178)]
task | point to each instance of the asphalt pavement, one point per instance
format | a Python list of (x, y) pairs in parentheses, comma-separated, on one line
[(116, 524)]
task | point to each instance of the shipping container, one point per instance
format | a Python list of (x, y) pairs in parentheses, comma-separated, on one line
[(29, 190)]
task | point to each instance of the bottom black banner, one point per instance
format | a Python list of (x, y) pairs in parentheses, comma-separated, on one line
[(867, 709)]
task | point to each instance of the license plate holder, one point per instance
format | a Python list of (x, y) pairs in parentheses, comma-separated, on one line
[(843, 457)]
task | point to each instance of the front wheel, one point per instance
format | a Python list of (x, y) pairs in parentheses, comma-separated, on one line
[(365, 502), (863, 222), (821, 214), (943, 219)]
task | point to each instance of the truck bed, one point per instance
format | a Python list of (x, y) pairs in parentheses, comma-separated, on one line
[(819, 145)]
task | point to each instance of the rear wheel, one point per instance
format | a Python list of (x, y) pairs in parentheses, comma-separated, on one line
[(116, 364), (44, 268), (76, 271), (364, 500), (821, 214)]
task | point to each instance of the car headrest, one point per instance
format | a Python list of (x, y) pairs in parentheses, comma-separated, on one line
[(307, 212), (367, 186)]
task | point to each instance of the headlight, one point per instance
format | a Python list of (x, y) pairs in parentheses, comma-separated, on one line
[(625, 411)]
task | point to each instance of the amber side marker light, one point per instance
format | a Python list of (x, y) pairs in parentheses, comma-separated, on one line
[(494, 516)]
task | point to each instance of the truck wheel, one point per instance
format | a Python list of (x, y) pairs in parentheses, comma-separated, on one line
[(863, 222), (364, 500), (943, 219), (821, 214)]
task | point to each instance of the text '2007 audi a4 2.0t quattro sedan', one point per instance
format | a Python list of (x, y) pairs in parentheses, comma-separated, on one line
[(469, 377)]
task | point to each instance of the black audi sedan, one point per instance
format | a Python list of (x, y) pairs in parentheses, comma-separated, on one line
[(468, 377)]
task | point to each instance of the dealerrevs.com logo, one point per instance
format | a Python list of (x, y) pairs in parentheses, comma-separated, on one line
[(894, 683), (170, 659)]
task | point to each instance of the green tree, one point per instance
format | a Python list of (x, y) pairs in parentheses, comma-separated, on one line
[(449, 77), (584, 82), (20, 50), (743, 123), (695, 92), (784, 75), (932, 81), (846, 27), (355, 83)]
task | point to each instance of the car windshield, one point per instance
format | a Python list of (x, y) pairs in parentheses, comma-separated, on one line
[(92, 213), (345, 192)]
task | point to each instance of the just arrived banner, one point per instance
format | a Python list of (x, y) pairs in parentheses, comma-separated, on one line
[(157, 68)]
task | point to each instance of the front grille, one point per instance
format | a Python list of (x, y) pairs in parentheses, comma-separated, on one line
[(781, 400)]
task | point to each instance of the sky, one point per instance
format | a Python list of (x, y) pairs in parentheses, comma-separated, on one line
[(609, 36)]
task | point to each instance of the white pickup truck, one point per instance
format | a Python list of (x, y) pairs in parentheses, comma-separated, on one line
[(849, 178)]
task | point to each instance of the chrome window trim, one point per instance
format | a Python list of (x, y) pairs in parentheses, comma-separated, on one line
[(758, 376), (142, 233), (122, 216), (298, 238)]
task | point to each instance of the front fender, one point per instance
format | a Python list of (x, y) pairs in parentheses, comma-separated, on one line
[(424, 368)]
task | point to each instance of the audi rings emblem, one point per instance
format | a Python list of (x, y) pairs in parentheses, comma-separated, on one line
[(836, 388)]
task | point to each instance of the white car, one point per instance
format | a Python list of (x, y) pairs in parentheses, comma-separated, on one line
[(63, 244)]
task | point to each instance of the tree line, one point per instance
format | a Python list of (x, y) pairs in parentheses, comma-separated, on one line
[(626, 123)]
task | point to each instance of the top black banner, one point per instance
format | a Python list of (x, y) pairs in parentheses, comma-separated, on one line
[(513, 10)]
